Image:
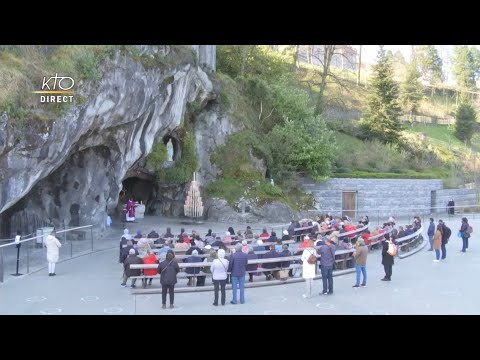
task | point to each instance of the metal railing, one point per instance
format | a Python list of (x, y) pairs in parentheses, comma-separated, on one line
[(379, 214), (33, 254)]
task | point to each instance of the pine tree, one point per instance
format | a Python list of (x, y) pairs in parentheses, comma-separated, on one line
[(381, 120), (412, 89), (465, 119)]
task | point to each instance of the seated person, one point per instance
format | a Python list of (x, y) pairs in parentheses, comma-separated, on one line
[(285, 264), (259, 246), (168, 234), (269, 255), (194, 248), (251, 267), (153, 235), (273, 237), (149, 259), (306, 239), (278, 246), (181, 245), (194, 270), (401, 232), (138, 235), (320, 241), (227, 239), (231, 231), (285, 236), (186, 239), (366, 237), (166, 247), (218, 242), (198, 242), (248, 233), (264, 234), (210, 237), (245, 247)]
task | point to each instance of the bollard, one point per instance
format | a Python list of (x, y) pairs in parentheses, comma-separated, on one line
[(18, 260), (28, 258), (71, 248), (91, 236)]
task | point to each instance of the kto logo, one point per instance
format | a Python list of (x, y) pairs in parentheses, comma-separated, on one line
[(57, 89)]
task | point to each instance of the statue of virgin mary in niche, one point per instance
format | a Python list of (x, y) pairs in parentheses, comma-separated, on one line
[(170, 150)]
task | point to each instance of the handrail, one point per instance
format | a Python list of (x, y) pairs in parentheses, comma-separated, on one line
[(41, 236), (411, 236), (394, 210)]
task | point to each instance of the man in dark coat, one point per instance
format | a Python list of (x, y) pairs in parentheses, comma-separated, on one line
[(237, 267), (285, 264), (430, 233), (387, 259), (168, 270), (270, 255), (446, 232), (127, 272)]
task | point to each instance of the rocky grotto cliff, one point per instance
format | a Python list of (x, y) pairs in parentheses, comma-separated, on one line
[(72, 168)]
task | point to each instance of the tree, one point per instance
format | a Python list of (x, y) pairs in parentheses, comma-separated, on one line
[(412, 89), (359, 65), (381, 120), (429, 62), (324, 54), (465, 120), (464, 67)]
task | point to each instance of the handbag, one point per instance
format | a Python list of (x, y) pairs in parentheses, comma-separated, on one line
[(459, 234)]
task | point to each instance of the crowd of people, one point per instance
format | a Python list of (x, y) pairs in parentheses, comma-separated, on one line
[(228, 255)]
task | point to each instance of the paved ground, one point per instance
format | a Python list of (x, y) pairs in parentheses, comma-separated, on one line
[(90, 284)]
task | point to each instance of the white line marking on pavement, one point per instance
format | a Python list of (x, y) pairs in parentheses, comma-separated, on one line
[(51, 311), (36, 298), (113, 310), (325, 306), (90, 298)]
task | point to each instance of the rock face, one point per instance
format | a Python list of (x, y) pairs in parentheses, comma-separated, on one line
[(72, 170), (211, 130), (275, 212)]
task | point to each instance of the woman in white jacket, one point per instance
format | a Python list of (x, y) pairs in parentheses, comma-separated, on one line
[(52, 244), (219, 274), (308, 270)]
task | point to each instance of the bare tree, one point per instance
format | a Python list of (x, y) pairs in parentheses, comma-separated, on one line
[(324, 56), (359, 65)]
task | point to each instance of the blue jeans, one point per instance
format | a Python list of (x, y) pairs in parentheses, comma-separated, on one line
[(327, 278), (444, 251), (465, 243), (430, 240), (240, 281), (363, 270), (437, 254)]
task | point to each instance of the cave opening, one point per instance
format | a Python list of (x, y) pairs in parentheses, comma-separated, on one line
[(143, 190)]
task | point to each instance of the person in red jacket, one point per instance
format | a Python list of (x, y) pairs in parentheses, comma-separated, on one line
[(149, 259)]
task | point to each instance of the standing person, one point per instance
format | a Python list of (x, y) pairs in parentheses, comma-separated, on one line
[(437, 242), (130, 215), (465, 234), (53, 246), (446, 232), (327, 260), (360, 256), (387, 259), (308, 270), (237, 268), (168, 270), (219, 269), (430, 233)]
